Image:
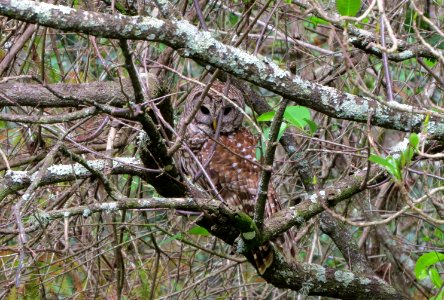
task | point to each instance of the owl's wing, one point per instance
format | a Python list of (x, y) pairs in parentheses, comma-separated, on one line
[(232, 166)]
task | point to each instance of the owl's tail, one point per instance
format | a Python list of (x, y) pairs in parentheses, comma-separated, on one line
[(263, 257)]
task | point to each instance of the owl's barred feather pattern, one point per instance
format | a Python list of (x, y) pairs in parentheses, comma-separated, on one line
[(230, 161)]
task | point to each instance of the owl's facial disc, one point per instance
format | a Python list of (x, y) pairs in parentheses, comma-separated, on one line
[(218, 114), (227, 118)]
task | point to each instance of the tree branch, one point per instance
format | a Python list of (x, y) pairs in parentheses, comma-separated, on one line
[(202, 46)]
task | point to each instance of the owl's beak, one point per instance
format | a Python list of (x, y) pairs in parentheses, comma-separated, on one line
[(215, 124)]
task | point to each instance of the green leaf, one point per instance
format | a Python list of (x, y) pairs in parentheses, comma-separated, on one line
[(438, 234), (389, 163), (282, 130), (315, 180), (249, 235), (414, 140), (439, 296), (316, 21), (199, 230), (379, 160), (177, 236), (312, 125), (161, 46), (403, 158), (268, 116), (348, 7), (395, 167), (297, 116), (425, 261), (425, 124), (362, 23), (409, 155), (262, 145), (435, 278), (232, 18), (430, 62)]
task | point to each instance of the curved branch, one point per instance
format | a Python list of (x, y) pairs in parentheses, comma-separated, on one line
[(307, 209), (66, 117)]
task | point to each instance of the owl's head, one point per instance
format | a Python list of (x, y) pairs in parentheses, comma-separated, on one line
[(215, 110)]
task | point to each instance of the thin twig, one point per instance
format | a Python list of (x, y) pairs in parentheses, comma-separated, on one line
[(388, 80), (200, 15), (262, 193)]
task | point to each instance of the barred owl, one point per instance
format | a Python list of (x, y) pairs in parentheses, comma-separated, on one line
[(227, 152)]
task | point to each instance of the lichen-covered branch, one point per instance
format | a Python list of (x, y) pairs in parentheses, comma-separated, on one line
[(343, 239), (332, 195), (181, 35), (313, 279), (18, 180), (86, 112), (365, 40)]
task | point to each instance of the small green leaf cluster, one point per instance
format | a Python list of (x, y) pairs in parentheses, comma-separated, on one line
[(394, 165), (427, 268), (298, 116)]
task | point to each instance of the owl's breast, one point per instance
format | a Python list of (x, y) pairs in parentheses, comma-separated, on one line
[(231, 164)]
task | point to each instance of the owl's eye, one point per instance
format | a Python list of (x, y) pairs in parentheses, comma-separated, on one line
[(204, 110), (227, 110)]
